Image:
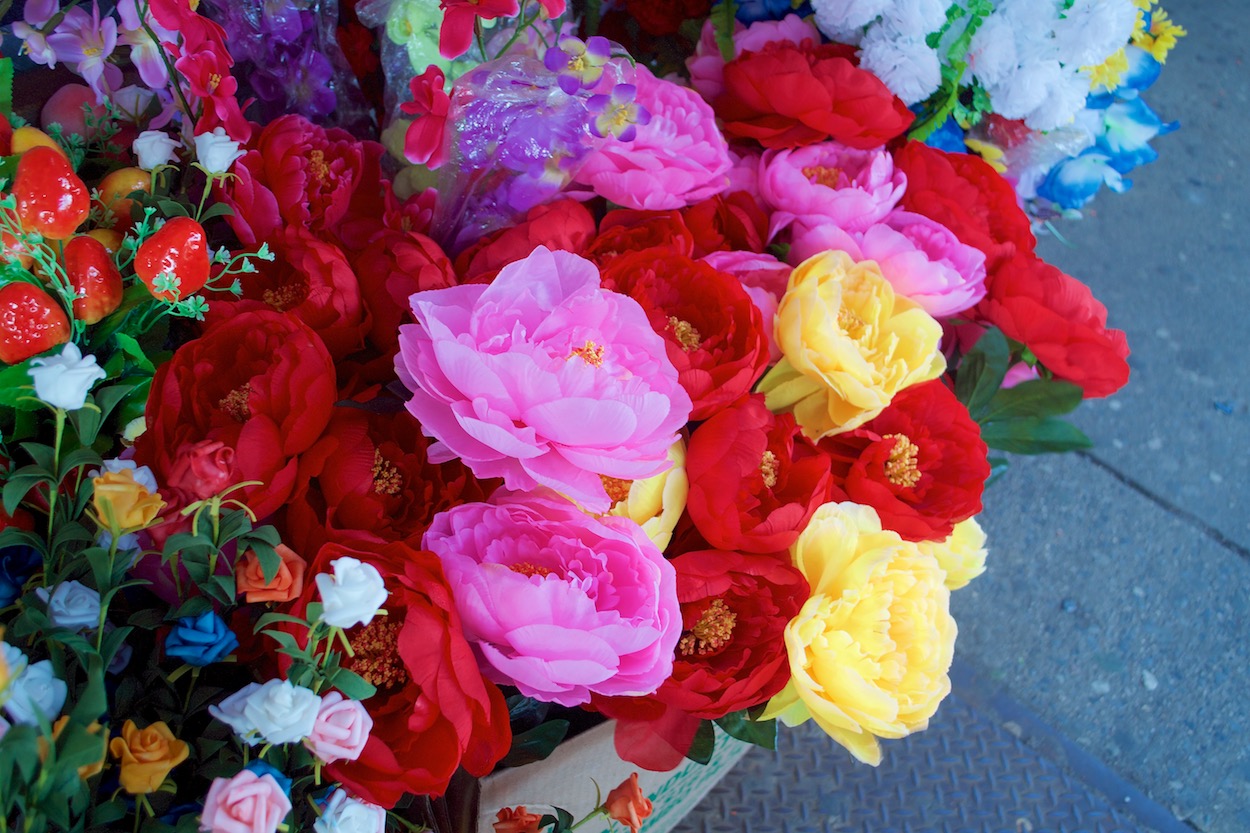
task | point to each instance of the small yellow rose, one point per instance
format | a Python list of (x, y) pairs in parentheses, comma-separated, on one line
[(871, 649), (123, 504), (656, 503), (962, 555), (147, 756), (849, 344)]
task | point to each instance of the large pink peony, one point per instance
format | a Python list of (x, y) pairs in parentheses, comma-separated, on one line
[(678, 158), (707, 65), (556, 602), (829, 183), (542, 378)]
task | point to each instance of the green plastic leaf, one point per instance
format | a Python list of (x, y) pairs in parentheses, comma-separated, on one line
[(352, 684), (1034, 398), (526, 712), (724, 18), (704, 743), (130, 346), (1032, 435), (981, 371), (561, 822), (740, 725), (17, 486), (537, 744), (194, 606), (6, 86)]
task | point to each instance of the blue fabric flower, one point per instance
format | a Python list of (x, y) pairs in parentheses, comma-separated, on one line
[(200, 640), (17, 565), (262, 769), (1128, 127), (949, 137), (749, 11), (1074, 182)]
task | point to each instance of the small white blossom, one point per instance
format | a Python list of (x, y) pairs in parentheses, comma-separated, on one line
[(282, 712), (344, 814), (216, 151), (352, 595), (63, 381), (36, 691), (230, 711), (154, 148)]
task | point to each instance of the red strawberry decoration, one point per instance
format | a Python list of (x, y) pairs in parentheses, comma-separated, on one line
[(179, 248), (51, 199), (95, 279), (31, 321)]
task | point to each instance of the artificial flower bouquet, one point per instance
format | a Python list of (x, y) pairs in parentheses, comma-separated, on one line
[(647, 369)]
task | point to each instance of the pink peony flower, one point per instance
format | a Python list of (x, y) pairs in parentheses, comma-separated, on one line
[(542, 378), (744, 175), (707, 67), (921, 258), (764, 278), (829, 183), (556, 602), (341, 730), (678, 158), (246, 803)]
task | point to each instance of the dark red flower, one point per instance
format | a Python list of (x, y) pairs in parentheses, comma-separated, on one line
[(727, 223), (755, 482), (1059, 320), (920, 463), (391, 267), (713, 332), (665, 18), (563, 225), (627, 230), (787, 95), (261, 383)]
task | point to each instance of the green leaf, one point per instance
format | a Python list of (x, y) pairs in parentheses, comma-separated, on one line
[(93, 701), (740, 725), (194, 606), (525, 712), (1032, 435), (981, 371), (6, 86), (1034, 398), (272, 618), (561, 822), (16, 488), (173, 208), (724, 18), (704, 743), (219, 209), (537, 744), (130, 346), (43, 455), (77, 459), (148, 618), (594, 14), (270, 561), (110, 811), (352, 684)]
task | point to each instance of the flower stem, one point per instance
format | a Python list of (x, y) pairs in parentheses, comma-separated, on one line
[(56, 464), (104, 608)]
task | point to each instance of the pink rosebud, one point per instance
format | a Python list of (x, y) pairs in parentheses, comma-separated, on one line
[(341, 730), (201, 470), (246, 803), (707, 66)]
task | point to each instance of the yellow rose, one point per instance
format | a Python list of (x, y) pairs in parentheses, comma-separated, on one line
[(962, 555), (123, 504), (849, 344), (870, 650), (655, 504), (147, 756)]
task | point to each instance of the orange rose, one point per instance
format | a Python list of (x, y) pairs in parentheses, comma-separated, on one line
[(627, 804), (516, 821), (287, 584), (123, 504), (147, 756)]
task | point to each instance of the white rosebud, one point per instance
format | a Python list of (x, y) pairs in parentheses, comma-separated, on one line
[(281, 712), (352, 595), (230, 711), (344, 814), (63, 381), (72, 605), (216, 151), (154, 148), (35, 692)]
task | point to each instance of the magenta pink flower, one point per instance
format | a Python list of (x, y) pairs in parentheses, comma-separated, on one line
[(677, 158), (425, 142), (560, 604), (341, 731), (707, 67), (455, 36), (246, 803), (829, 183), (542, 378)]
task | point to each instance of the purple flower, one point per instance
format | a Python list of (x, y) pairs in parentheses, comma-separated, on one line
[(34, 16), (146, 53), (542, 378), (87, 41), (618, 114), (578, 63)]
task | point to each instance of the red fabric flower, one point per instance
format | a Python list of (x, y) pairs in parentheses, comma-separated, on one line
[(665, 18), (425, 142), (206, 68), (391, 267), (460, 16), (727, 223), (564, 225), (713, 333), (1059, 320), (261, 383), (788, 95), (962, 192), (755, 482), (433, 711), (920, 463), (628, 230)]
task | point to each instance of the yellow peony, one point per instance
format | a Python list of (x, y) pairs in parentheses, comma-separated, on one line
[(962, 555), (870, 650), (849, 344), (123, 504), (655, 504)]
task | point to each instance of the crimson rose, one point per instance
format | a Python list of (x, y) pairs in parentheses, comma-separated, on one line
[(724, 223), (563, 225), (628, 230)]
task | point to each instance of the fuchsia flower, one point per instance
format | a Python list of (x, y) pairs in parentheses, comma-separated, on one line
[(556, 602), (460, 16), (542, 378), (707, 66), (425, 142)]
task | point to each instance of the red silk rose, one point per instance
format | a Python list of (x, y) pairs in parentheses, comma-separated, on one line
[(735, 222), (628, 230), (920, 463), (1057, 317), (391, 267), (433, 710), (713, 333), (562, 225), (962, 192), (261, 383), (787, 95), (755, 482)]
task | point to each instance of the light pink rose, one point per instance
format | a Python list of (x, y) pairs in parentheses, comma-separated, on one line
[(556, 602), (829, 183), (246, 803), (201, 470), (341, 730), (764, 277), (678, 158), (542, 378), (745, 173), (707, 67)]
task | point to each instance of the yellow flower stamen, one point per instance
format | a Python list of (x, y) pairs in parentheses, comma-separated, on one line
[(712, 632), (901, 468), (685, 333)]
